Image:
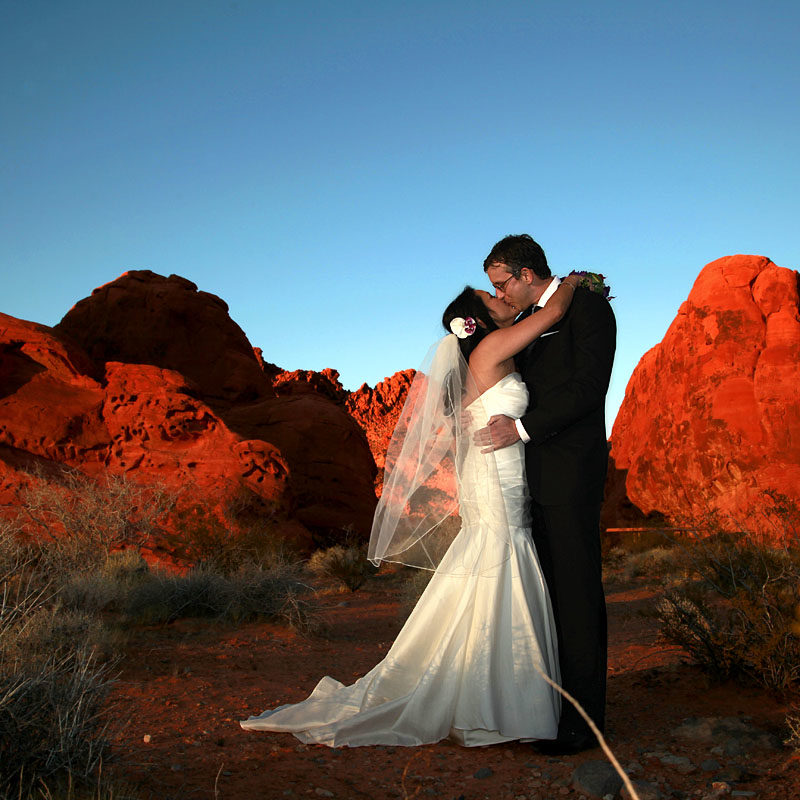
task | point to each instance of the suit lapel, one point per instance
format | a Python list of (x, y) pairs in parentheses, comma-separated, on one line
[(521, 357)]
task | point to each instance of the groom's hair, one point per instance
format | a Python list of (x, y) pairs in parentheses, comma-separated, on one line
[(469, 304), (516, 253)]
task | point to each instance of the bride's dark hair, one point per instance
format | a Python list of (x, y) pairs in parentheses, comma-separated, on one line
[(469, 304)]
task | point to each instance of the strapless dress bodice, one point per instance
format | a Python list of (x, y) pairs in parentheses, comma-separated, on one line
[(504, 467), (509, 396)]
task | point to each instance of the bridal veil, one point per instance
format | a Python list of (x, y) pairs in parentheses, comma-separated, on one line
[(436, 479)]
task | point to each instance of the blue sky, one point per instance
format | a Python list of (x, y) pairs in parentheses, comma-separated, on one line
[(337, 171)]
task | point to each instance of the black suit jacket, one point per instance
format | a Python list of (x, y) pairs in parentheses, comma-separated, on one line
[(567, 370)]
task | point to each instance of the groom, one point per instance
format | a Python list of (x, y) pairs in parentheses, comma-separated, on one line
[(566, 370)]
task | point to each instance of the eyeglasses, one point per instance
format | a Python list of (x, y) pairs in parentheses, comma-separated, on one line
[(501, 287)]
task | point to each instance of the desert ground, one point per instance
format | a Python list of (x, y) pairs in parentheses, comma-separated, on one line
[(183, 688)]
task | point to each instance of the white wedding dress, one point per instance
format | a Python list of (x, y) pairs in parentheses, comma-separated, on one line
[(466, 663)]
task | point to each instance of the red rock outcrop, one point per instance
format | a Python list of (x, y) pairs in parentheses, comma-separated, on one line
[(144, 318), (711, 416), (325, 383), (377, 410), (151, 378)]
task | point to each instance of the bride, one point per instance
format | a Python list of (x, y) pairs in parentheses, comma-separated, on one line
[(467, 663)]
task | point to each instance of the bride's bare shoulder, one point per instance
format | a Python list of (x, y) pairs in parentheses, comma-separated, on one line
[(486, 371)]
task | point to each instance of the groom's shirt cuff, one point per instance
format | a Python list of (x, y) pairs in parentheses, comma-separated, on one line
[(523, 434)]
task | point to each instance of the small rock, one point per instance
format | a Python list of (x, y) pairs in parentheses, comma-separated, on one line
[(177, 767), (681, 763), (734, 747), (736, 735), (645, 790), (696, 729), (710, 764), (730, 774), (147, 738), (596, 779), (483, 772), (742, 793), (319, 791)]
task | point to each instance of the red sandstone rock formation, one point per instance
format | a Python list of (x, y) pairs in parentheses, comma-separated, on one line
[(144, 318), (173, 392), (376, 410), (711, 416), (325, 383)]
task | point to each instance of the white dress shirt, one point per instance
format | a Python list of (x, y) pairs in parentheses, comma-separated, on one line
[(540, 303)]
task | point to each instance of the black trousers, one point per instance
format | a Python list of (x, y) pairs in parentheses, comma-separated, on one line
[(567, 540)]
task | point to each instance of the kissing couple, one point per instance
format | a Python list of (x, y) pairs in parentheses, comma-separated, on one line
[(494, 482)]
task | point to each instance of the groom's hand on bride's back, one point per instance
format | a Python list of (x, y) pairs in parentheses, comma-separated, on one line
[(499, 432)]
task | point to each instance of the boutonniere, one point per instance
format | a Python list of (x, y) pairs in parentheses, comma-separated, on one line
[(594, 282)]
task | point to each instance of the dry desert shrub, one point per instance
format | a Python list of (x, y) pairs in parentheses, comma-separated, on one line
[(52, 686), (52, 719), (252, 593), (345, 565), (105, 587), (87, 519), (736, 611), (661, 563), (228, 539), (792, 722)]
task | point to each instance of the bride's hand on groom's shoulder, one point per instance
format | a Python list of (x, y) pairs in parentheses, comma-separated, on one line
[(499, 432)]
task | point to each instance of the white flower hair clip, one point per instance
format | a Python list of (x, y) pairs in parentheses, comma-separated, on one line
[(463, 327)]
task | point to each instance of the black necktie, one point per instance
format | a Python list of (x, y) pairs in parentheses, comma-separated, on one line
[(527, 312)]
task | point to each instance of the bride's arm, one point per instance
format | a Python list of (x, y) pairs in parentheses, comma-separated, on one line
[(507, 342)]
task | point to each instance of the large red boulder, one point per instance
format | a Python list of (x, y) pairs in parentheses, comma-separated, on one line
[(331, 468), (710, 422), (145, 318)]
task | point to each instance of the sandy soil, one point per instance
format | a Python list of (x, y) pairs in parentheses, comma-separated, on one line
[(183, 689)]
